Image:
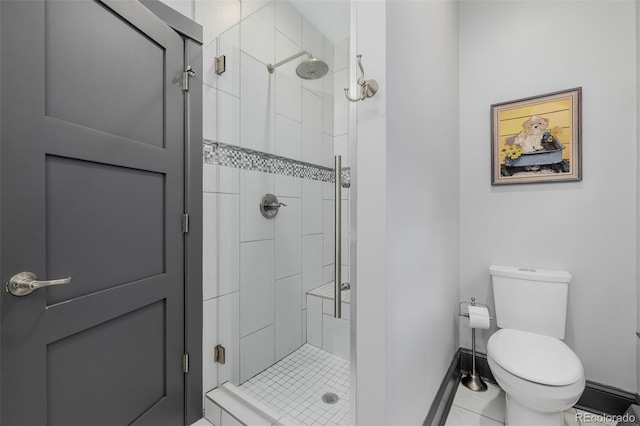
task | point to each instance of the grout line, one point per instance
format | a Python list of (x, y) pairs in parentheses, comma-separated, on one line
[(258, 330), (288, 276), (478, 414), (257, 241), (289, 118), (226, 93)]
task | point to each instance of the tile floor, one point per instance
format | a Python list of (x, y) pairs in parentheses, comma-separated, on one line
[(295, 385), (487, 409)]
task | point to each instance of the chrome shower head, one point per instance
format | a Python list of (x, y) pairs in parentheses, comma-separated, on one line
[(310, 69)]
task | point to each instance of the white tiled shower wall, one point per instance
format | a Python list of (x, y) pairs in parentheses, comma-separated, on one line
[(256, 271)]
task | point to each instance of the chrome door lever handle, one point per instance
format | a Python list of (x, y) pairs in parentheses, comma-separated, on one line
[(25, 282)]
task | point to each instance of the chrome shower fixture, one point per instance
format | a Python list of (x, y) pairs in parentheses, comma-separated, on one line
[(311, 69)]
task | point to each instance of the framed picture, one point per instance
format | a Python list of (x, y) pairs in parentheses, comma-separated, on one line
[(537, 139)]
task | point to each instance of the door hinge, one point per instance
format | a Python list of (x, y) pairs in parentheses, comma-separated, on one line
[(218, 354), (185, 223), (185, 77), (220, 64), (185, 363)]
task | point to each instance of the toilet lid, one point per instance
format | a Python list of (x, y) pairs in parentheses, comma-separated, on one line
[(534, 357)]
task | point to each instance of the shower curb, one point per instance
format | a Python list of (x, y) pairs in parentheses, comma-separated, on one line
[(239, 405), (597, 398)]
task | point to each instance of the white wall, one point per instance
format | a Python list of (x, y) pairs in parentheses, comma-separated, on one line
[(510, 50), (422, 203), (407, 253), (370, 234)]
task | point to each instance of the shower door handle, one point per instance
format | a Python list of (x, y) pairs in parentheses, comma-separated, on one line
[(337, 241), (25, 282)]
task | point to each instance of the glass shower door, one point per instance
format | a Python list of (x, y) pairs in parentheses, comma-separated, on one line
[(269, 278)]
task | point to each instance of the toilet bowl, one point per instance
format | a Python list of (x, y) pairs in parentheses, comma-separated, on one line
[(540, 374)]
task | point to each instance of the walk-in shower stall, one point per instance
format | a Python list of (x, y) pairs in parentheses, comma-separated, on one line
[(275, 118)]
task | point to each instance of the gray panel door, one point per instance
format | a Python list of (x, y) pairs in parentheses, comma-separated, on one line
[(92, 187)]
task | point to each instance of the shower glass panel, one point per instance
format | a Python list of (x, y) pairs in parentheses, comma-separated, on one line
[(273, 121)]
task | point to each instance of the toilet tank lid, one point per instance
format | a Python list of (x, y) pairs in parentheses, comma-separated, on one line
[(533, 274), (534, 357)]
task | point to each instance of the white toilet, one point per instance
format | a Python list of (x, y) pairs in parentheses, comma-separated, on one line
[(539, 373)]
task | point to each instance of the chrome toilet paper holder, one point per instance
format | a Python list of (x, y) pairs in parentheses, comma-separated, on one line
[(472, 380), (472, 303)]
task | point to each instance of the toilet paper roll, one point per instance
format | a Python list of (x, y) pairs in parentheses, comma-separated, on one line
[(479, 317)]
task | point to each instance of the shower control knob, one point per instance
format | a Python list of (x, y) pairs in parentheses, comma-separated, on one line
[(270, 206)]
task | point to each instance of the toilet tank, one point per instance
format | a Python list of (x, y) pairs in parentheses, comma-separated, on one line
[(533, 300)]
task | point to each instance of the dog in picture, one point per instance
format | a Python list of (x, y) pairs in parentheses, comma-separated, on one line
[(530, 137)]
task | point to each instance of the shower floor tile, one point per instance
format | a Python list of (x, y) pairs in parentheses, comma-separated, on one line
[(294, 387)]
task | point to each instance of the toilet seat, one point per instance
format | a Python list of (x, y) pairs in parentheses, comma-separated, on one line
[(534, 357)]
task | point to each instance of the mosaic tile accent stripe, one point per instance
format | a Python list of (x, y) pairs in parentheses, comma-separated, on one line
[(242, 158)]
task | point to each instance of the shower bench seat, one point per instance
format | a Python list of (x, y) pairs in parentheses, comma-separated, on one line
[(323, 330)]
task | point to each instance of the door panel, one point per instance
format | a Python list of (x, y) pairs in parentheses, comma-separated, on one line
[(99, 216), (135, 367), (92, 186), (98, 93)]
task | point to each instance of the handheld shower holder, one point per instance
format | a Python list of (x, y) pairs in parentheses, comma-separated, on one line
[(368, 88)]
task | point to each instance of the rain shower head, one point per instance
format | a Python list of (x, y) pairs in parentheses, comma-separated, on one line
[(310, 69)]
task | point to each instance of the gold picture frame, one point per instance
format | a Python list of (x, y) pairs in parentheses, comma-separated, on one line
[(537, 139)]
